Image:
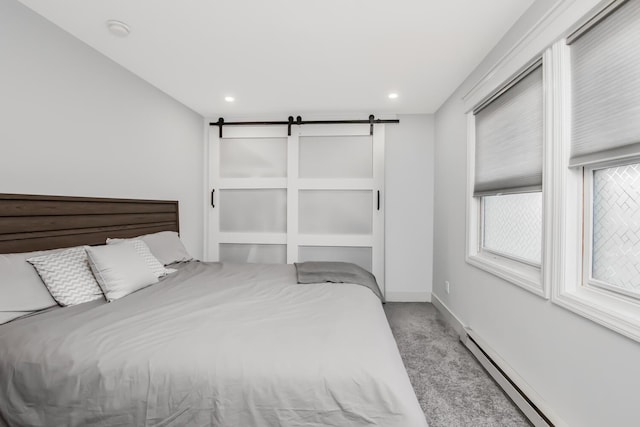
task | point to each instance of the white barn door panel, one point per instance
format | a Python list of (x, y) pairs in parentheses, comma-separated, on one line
[(316, 195)]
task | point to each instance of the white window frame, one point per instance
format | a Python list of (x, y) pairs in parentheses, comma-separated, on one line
[(521, 273), (571, 216)]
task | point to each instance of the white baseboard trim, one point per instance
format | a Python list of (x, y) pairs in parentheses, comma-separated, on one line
[(448, 315), (408, 297), (529, 402)]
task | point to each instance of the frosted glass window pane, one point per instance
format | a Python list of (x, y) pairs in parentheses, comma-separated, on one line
[(336, 157), (357, 255), (261, 254), (616, 227), (253, 211), (253, 158), (335, 212), (513, 226)]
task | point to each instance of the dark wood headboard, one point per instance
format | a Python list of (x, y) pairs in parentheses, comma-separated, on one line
[(32, 223)]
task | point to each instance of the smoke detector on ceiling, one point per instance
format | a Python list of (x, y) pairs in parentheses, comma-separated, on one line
[(118, 28)]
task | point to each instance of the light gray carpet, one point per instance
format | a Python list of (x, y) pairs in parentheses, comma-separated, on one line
[(452, 387)]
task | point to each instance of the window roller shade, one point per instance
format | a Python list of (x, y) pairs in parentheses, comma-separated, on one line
[(509, 137), (605, 67)]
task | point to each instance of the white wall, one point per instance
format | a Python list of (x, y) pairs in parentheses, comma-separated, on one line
[(76, 123), (409, 186), (587, 374)]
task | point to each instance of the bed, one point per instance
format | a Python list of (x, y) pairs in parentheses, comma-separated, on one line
[(211, 344)]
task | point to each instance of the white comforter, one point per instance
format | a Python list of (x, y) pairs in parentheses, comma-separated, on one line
[(216, 344)]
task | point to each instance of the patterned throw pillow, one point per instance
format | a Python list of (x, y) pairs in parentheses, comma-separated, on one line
[(68, 276), (143, 250)]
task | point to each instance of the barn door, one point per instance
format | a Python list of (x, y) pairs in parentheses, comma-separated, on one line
[(316, 195)]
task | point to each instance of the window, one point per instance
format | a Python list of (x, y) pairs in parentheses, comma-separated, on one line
[(505, 220), (613, 237), (598, 179), (512, 226)]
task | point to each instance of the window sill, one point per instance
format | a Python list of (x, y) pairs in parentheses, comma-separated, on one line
[(613, 311), (520, 274)]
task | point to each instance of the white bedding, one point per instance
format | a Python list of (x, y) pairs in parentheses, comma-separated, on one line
[(214, 344)]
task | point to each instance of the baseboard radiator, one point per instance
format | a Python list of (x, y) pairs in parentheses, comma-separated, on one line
[(491, 362)]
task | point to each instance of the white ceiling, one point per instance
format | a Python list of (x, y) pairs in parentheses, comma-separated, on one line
[(294, 56)]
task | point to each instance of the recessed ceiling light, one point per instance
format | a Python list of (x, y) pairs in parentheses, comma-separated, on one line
[(118, 28), (393, 95), (229, 98)]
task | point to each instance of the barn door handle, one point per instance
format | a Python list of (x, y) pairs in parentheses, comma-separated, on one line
[(378, 199), (212, 192)]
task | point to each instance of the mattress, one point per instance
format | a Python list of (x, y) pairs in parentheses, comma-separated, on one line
[(213, 344)]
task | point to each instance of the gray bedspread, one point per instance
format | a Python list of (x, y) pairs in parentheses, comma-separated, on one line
[(211, 345), (336, 272)]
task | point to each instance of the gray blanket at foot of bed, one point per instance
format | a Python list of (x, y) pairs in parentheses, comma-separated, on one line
[(336, 272)]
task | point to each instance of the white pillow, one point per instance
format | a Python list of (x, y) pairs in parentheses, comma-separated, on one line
[(143, 250), (67, 276), (166, 246), (21, 289), (119, 269)]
